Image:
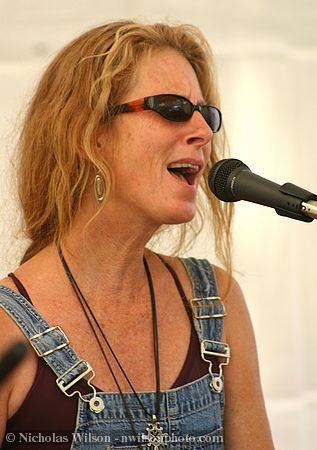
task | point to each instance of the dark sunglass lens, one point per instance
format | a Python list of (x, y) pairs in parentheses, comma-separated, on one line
[(174, 108), (213, 117)]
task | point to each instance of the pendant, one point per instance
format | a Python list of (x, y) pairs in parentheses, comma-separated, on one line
[(155, 436)]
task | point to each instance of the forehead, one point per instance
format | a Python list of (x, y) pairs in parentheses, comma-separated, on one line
[(165, 72)]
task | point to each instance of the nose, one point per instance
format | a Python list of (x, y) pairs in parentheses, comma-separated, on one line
[(199, 132)]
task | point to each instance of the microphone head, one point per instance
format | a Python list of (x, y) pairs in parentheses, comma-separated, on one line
[(220, 176)]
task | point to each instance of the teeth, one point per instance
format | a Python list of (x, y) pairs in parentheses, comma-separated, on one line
[(193, 167)]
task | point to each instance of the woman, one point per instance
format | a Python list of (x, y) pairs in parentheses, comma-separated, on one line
[(118, 138)]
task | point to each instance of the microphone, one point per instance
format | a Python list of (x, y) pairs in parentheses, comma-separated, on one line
[(231, 180), (12, 358)]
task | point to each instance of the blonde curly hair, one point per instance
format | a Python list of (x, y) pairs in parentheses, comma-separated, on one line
[(77, 93)]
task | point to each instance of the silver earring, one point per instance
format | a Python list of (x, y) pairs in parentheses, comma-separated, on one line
[(99, 188)]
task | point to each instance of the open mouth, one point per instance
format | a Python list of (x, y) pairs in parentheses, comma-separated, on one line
[(186, 172)]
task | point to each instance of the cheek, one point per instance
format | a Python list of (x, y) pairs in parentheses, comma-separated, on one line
[(144, 148), (140, 145), (133, 162), (207, 151)]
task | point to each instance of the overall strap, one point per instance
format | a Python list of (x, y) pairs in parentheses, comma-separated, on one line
[(208, 312), (50, 343)]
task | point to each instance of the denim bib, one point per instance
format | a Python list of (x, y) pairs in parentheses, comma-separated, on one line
[(191, 415)]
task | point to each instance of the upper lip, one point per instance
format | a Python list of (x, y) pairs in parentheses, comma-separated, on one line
[(195, 162), (192, 177)]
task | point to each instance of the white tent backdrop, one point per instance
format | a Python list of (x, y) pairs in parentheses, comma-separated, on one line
[(266, 52)]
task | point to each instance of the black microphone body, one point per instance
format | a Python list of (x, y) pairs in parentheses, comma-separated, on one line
[(12, 358), (231, 180)]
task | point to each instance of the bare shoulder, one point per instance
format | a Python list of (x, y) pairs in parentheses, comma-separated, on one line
[(246, 422), (15, 387), (7, 281), (237, 321), (228, 288), (10, 330), (238, 329), (11, 334)]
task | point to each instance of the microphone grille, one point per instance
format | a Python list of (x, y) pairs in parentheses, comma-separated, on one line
[(219, 175)]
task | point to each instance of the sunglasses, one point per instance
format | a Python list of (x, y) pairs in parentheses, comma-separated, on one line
[(175, 108)]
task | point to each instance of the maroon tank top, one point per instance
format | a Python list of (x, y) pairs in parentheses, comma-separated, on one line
[(47, 410)]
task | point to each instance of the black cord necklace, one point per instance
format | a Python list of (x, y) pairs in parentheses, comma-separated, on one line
[(155, 435)]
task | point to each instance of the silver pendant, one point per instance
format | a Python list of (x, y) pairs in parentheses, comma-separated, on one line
[(155, 435), (96, 404)]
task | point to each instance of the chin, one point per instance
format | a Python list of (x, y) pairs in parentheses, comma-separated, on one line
[(179, 216)]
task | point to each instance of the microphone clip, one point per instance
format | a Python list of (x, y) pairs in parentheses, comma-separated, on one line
[(306, 203)]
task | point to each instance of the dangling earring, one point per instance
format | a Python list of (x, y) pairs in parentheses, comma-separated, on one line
[(99, 188)]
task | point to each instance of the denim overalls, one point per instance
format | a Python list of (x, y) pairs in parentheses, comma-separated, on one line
[(191, 415)]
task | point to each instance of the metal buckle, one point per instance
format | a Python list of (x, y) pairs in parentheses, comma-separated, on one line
[(96, 404), (216, 384), (58, 347), (60, 380), (225, 354), (213, 301)]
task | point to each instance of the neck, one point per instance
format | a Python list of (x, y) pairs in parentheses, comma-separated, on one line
[(107, 255)]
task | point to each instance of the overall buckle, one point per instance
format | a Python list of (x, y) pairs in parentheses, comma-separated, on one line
[(211, 308), (64, 382), (60, 334), (218, 349)]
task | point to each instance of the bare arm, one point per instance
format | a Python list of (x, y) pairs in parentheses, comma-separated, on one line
[(245, 423), (6, 385), (15, 386), (3, 414), (4, 394)]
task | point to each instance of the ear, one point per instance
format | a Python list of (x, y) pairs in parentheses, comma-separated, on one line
[(106, 142), (102, 140)]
